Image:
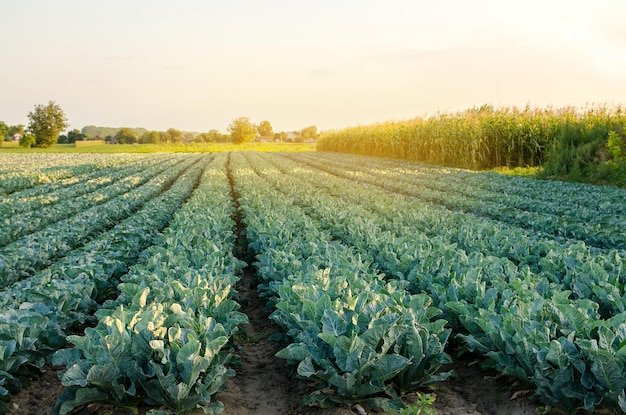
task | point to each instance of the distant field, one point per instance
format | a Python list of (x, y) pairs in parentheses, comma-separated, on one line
[(99, 147)]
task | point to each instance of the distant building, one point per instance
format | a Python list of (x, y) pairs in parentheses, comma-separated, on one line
[(16, 137)]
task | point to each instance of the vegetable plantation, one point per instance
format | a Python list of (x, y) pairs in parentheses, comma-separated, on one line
[(123, 269)]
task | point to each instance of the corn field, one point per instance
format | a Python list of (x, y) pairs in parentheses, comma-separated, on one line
[(477, 138)]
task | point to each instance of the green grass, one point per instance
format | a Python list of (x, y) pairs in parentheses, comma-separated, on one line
[(518, 171), (9, 147)]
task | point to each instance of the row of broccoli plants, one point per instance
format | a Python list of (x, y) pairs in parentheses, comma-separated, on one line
[(594, 216), (38, 197), (167, 338), (587, 272), (67, 202), (524, 325), (599, 276), (575, 266), (21, 171), (25, 256), (38, 313), (555, 197), (576, 222), (358, 337)]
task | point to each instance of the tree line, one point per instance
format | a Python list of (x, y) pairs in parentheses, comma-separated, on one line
[(243, 130), (46, 122), (240, 130)]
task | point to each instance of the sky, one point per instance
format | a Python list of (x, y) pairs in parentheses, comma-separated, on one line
[(196, 65)]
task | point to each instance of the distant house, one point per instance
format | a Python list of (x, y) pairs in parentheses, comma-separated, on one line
[(291, 137), (16, 137)]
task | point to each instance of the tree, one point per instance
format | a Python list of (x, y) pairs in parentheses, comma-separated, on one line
[(4, 130), (75, 135), (174, 135), (150, 137), (241, 130), (265, 129), (126, 136), (46, 123), (212, 136), (164, 136), (28, 141), (309, 132)]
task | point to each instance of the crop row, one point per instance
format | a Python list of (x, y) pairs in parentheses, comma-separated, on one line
[(42, 196), (167, 338), (575, 267), (554, 196), (367, 271), (576, 220), (67, 202), (38, 313), (25, 256), (26, 171), (347, 329), (526, 325)]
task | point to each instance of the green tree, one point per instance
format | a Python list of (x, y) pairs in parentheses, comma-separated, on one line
[(221, 138), (75, 135), (126, 136), (308, 133), (241, 130), (212, 136), (164, 137), (174, 136), (28, 141), (46, 123), (265, 129), (4, 131), (150, 137)]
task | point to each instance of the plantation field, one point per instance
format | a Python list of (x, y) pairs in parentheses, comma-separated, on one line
[(98, 146), (209, 282)]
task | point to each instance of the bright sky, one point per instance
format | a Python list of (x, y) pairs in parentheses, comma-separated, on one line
[(196, 65)]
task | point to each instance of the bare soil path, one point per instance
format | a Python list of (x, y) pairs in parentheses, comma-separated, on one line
[(263, 385)]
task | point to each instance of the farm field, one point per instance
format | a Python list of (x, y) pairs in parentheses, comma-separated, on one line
[(91, 147), (173, 280)]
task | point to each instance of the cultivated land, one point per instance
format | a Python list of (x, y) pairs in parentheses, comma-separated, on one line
[(100, 147), (179, 280)]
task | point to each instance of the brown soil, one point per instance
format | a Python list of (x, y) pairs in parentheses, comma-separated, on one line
[(262, 386), (39, 397)]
